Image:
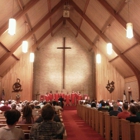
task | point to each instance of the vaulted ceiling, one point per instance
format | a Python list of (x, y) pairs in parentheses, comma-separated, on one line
[(93, 22)]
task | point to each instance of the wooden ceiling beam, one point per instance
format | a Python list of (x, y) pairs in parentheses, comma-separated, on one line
[(47, 33), (82, 34), (117, 17), (7, 50), (20, 4), (36, 27), (85, 8), (29, 5), (120, 6), (95, 28), (49, 9), (29, 26)]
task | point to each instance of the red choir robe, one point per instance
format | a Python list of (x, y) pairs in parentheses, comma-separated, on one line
[(67, 98), (61, 94), (50, 96), (73, 96), (56, 96), (41, 97), (47, 98)]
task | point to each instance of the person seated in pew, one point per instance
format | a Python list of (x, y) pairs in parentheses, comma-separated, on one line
[(133, 111), (56, 118), (48, 129), (57, 107), (138, 112), (5, 107), (115, 110), (10, 132), (27, 117), (124, 114), (102, 108)]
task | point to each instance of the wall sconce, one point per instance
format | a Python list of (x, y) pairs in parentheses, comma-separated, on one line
[(32, 56)]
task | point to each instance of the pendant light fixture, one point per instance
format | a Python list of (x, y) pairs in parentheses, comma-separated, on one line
[(12, 24), (25, 43), (129, 25), (109, 45), (98, 55), (32, 56)]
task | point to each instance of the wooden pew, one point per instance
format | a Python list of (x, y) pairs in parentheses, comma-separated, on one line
[(127, 130), (90, 117), (97, 121), (116, 127), (93, 118), (137, 131), (101, 123), (108, 127)]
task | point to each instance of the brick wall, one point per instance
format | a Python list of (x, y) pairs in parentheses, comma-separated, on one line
[(49, 62)]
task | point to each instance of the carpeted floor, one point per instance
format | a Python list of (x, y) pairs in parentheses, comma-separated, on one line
[(76, 128)]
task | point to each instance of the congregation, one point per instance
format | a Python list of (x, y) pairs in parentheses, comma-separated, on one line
[(124, 110), (43, 116)]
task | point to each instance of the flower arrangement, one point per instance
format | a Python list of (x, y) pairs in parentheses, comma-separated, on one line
[(17, 96)]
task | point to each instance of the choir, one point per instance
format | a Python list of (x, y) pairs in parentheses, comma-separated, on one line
[(69, 98)]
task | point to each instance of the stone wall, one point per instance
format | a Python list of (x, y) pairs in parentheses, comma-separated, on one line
[(49, 63)]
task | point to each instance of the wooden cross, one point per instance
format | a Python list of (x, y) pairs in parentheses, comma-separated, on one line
[(64, 47)]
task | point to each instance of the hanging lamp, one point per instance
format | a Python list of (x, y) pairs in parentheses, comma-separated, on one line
[(32, 56), (12, 24), (129, 25), (25, 43)]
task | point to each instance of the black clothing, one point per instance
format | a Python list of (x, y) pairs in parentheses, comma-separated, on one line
[(133, 119)]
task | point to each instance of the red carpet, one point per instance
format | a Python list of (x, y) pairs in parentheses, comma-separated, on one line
[(76, 128)]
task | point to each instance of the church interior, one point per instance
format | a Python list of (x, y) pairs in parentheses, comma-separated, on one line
[(87, 47), (84, 28)]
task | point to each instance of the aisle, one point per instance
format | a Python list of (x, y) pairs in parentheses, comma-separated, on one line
[(76, 128)]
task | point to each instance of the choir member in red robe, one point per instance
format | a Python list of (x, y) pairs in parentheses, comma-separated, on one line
[(61, 94), (47, 97), (73, 98), (56, 96), (51, 96), (78, 97), (67, 98)]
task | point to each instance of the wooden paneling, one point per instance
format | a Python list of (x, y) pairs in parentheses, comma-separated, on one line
[(134, 56), (104, 72), (22, 70), (86, 28), (96, 12), (122, 67), (75, 17)]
